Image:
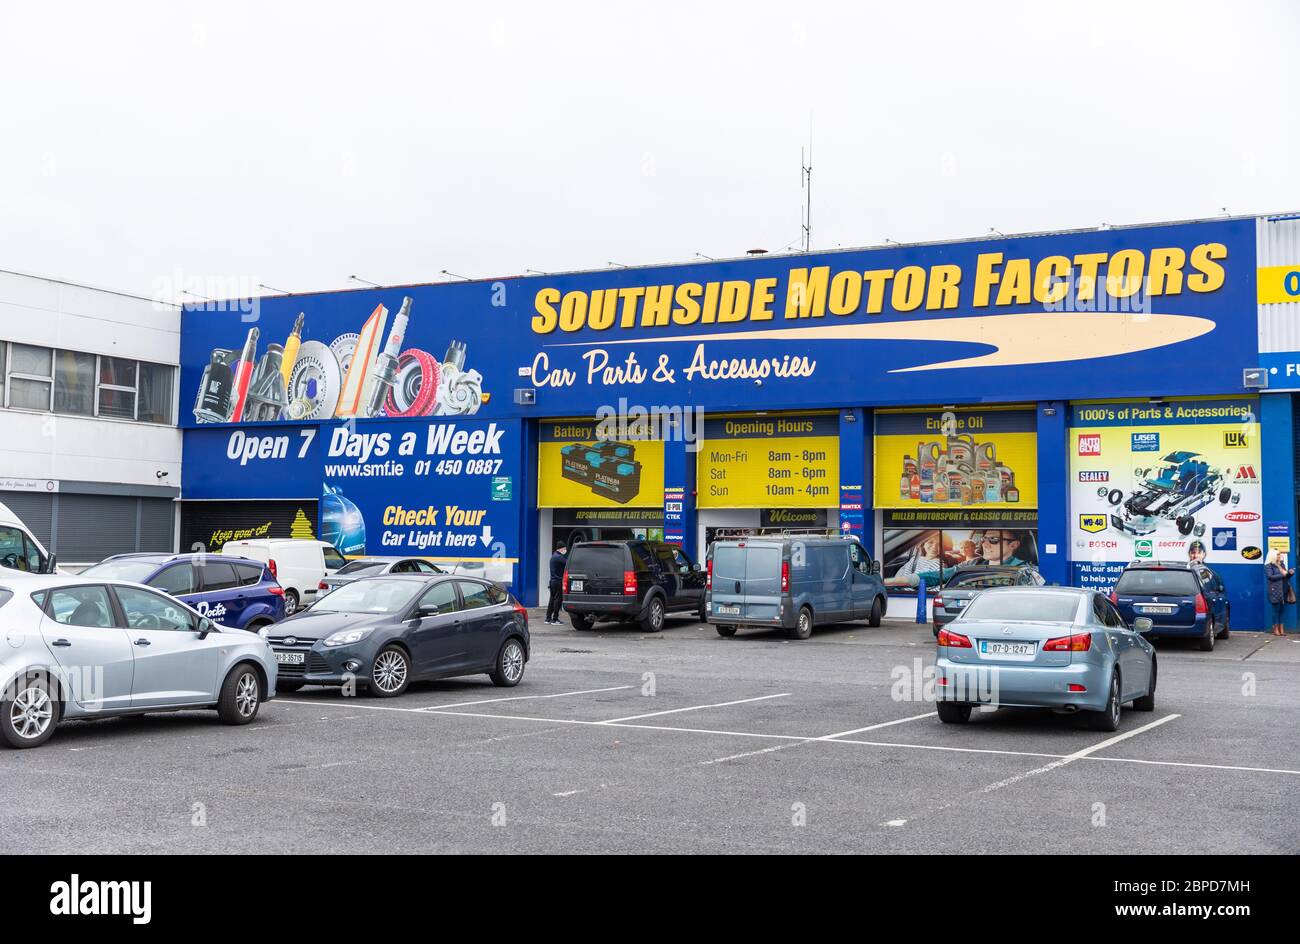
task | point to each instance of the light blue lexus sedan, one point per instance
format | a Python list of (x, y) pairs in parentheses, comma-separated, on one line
[(1044, 647)]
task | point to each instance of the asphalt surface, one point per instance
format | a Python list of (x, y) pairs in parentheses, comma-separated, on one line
[(720, 745)]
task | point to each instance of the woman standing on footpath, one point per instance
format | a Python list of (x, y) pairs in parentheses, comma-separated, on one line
[(1279, 588)]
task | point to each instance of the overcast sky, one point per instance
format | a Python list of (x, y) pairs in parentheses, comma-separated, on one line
[(297, 144)]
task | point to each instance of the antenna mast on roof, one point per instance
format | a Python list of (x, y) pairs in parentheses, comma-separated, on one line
[(805, 182)]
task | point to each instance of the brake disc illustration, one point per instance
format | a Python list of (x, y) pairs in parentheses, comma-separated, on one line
[(344, 346), (415, 388), (314, 383)]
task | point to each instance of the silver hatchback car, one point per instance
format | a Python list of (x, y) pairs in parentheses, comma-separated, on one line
[(83, 648)]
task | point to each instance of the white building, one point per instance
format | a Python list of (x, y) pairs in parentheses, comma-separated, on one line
[(89, 451)]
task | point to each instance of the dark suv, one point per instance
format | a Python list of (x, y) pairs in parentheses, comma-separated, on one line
[(631, 581), (1180, 599), (232, 591)]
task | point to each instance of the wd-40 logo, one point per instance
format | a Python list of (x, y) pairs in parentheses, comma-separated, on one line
[(1235, 439), (1246, 475), (1089, 444), (1143, 548), (214, 611), (1096, 475), (1092, 523)]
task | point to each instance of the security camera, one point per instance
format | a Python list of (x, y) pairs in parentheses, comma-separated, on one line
[(160, 474)]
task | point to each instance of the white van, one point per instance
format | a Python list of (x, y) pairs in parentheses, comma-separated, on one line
[(19, 550), (298, 565)]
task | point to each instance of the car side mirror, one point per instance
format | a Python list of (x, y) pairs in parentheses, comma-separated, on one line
[(428, 609), (1142, 624), (205, 626), (51, 565), (875, 568)]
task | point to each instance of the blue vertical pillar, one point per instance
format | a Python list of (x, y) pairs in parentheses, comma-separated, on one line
[(1277, 478), (679, 493), (525, 498), (1054, 492), (857, 513)]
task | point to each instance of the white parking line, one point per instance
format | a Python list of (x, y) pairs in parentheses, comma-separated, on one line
[(1082, 755), (673, 711), (873, 727), (489, 701), (1078, 755)]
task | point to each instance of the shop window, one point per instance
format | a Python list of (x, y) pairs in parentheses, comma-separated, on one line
[(117, 387), (74, 383), (30, 379), (80, 384)]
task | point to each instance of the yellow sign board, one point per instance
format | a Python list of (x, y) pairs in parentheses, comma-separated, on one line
[(577, 468), (956, 459), (777, 461), (1278, 284)]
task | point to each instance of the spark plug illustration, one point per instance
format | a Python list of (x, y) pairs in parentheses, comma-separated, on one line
[(385, 372)]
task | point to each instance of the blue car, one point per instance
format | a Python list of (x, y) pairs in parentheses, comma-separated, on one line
[(1043, 647), (1180, 599), (232, 591)]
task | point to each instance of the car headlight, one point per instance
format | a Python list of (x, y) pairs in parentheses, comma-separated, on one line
[(347, 637), (264, 632)]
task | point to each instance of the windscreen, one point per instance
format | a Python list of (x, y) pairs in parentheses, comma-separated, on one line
[(134, 571), (1174, 583), (1029, 606), (375, 596), (360, 568), (981, 580)]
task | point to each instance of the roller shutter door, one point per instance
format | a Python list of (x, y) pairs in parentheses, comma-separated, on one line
[(34, 509), (91, 527), (157, 520)]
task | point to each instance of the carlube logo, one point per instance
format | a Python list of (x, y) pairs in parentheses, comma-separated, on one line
[(1242, 516), (1089, 444)]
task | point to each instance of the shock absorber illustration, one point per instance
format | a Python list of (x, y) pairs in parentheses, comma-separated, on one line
[(291, 349), (243, 374)]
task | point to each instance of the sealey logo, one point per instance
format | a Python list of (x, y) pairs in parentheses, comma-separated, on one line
[(1096, 475), (77, 897), (1090, 444), (1242, 516)]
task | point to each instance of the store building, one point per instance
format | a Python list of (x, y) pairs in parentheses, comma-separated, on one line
[(91, 457), (1071, 400)]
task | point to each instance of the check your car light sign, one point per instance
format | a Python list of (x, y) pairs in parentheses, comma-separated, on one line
[(431, 488), (1155, 311)]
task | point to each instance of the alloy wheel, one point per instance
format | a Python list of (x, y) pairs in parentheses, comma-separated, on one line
[(390, 671), (31, 712), (246, 695), (512, 661), (1114, 698)]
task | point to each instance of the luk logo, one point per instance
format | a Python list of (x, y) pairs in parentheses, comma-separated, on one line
[(1095, 476), (1092, 523), (1235, 439), (1246, 474), (1089, 444), (75, 897)]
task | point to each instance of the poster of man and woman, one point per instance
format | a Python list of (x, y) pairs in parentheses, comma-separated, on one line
[(911, 554)]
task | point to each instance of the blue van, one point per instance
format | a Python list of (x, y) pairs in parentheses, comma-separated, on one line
[(794, 581), (232, 591), (1180, 599)]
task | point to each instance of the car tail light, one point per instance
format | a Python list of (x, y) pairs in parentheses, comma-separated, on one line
[(1114, 597), (708, 576), (953, 640), (1076, 687), (279, 590), (271, 566), (520, 609), (629, 583), (565, 582), (1201, 607), (941, 681), (938, 602), (322, 585), (785, 576), (1079, 642)]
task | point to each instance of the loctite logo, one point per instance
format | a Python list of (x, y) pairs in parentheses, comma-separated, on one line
[(1090, 444), (1242, 516)]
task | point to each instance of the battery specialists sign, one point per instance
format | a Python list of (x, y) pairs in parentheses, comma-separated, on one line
[(1176, 480), (777, 461), (956, 459), (591, 464), (429, 488)]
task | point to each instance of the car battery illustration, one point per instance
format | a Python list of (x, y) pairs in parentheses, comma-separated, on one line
[(607, 468)]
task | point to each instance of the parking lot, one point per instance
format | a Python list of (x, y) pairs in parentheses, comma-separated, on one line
[(618, 741)]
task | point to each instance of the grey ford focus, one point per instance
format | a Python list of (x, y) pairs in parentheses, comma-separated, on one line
[(382, 633)]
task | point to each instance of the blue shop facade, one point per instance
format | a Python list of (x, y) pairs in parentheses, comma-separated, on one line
[(1071, 400)]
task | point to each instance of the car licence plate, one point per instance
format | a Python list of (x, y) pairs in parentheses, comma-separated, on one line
[(290, 658), (727, 610), (1160, 608), (575, 586), (1011, 650)]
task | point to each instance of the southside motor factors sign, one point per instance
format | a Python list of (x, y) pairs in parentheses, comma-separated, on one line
[(1163, 481)]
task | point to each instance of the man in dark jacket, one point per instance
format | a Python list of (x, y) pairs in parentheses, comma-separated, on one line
[(558, 560)]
